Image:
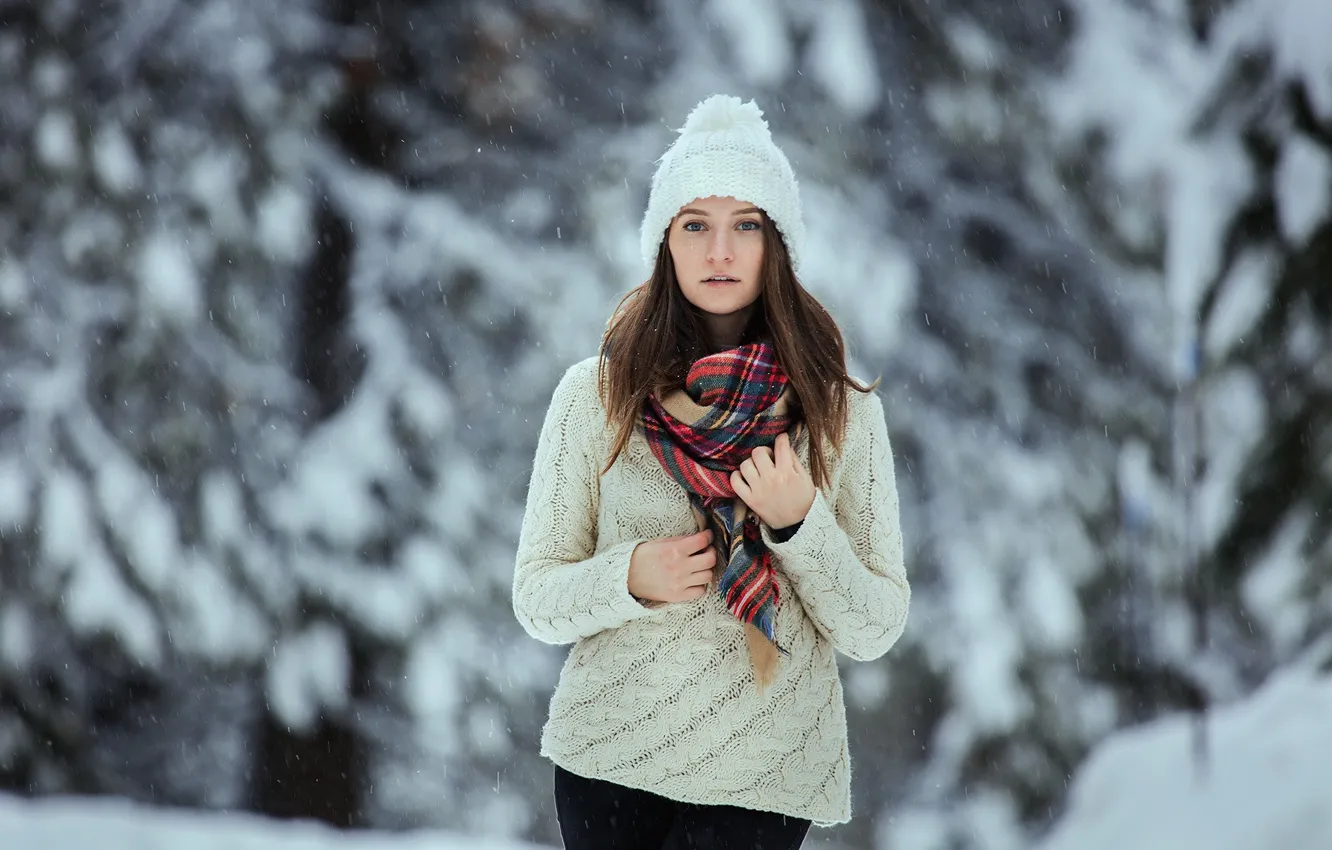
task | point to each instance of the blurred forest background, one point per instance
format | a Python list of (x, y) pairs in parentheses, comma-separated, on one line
[(285, 287)]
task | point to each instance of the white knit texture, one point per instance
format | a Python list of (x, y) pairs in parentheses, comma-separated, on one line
[(724, 149), (663, 698)]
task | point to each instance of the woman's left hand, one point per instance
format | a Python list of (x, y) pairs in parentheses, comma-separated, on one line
[(775, 485)]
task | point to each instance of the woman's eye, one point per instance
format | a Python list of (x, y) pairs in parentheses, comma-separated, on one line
[(750, 225), (693, 226)]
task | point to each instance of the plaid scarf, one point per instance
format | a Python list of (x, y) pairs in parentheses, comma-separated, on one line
[(732, 403)]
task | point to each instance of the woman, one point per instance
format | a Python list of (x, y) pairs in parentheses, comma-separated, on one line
[(712, 512)]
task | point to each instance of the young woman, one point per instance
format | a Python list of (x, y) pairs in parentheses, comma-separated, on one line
[(712, 512)]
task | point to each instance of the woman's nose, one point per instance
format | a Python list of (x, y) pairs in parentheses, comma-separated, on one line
[(719, 247)]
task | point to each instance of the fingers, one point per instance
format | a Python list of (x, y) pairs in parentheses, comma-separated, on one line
[(694, 582), (690, 569), (691, 536), (697, 543), (784, 449), (749, 471), (704, 560), (700, 576), (762, 458), (740, 486), (688, 544)]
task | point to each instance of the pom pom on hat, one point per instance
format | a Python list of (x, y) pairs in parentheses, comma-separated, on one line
[(724, 149), (723, 112)]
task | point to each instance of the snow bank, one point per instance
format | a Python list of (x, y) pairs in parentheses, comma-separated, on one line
[(109, 824), (1268, 782)]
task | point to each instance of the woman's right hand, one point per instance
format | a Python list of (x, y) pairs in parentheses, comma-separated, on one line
[(672, 569)]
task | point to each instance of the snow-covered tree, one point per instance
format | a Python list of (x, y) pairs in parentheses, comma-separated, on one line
[(159, 249), (1184, 149)]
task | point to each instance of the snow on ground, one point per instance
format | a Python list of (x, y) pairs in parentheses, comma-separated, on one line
[(1267, 782), (109, 824)]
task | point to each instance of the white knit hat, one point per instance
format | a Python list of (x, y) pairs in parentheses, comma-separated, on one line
[(724, 149)]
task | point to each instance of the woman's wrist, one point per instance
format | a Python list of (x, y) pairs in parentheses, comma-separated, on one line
[(785, 533)]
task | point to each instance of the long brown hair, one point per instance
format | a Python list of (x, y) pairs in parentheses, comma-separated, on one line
[(655, 335)]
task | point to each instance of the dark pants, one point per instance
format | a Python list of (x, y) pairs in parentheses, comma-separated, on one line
[(599, 815)]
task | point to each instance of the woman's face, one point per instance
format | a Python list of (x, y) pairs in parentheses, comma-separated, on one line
[(717, 247)]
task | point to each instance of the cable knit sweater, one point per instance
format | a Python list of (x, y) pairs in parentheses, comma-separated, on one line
[(662, 698)]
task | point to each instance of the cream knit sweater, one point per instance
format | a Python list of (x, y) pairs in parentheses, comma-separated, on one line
[(663, 698)]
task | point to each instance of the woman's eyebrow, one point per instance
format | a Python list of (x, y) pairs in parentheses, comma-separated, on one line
[(693, 211)]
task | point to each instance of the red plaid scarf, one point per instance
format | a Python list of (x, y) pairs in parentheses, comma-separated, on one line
[(732, 403)]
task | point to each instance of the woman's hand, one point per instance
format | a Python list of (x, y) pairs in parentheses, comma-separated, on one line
[(775, 484), (672, 569)]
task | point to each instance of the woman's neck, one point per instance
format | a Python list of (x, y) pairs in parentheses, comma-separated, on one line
[(723, 332)]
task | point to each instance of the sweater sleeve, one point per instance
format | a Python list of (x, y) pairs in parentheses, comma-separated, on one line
[(563, 590), (847, 565)]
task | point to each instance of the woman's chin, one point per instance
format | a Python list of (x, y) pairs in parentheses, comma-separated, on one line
[(723, 303)]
